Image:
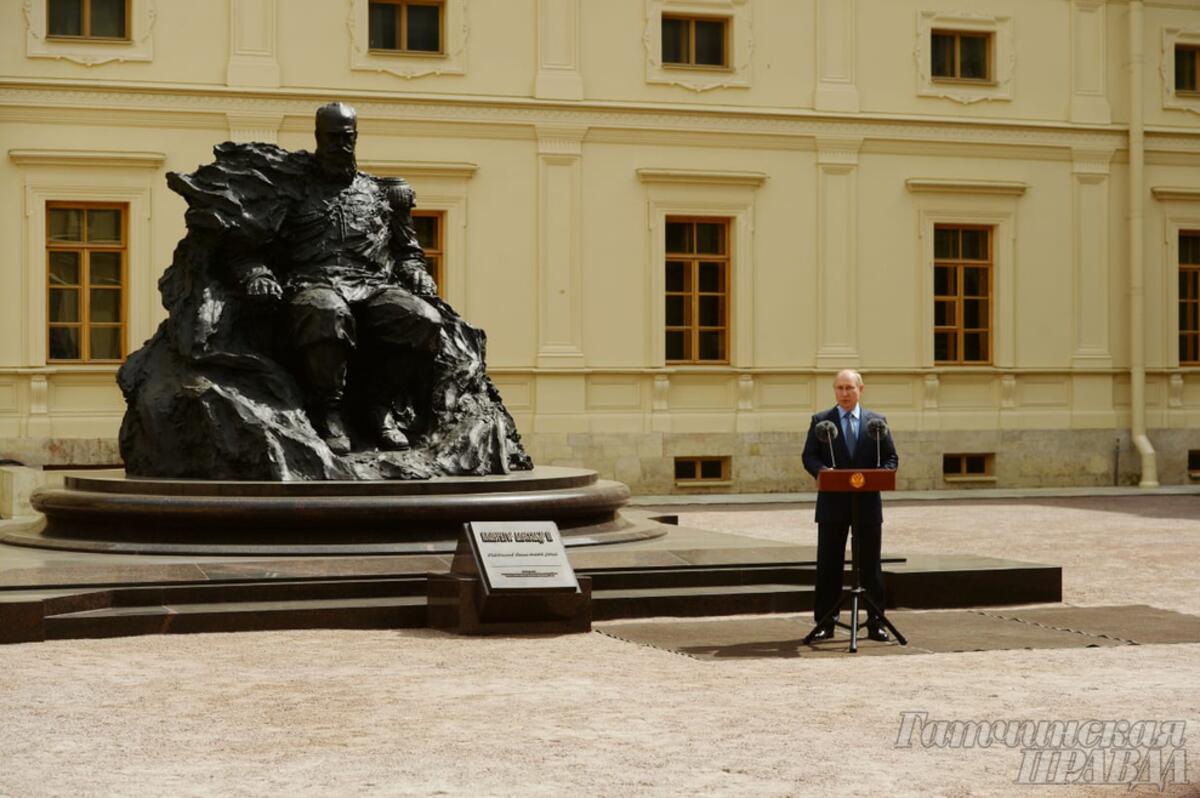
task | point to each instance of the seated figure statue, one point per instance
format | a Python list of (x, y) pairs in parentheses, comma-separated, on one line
[(305, 337)]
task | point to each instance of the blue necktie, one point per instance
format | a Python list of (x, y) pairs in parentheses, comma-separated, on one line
[(848, 420)]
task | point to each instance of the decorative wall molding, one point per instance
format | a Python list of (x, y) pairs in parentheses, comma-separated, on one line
[(1004, 56), (924, 185), (1089, 62), (702, 176), (560, 248), (560, 139), (78, 158), (90, 53), (1176, 193), (18, 96), (410, 65), (1166, 69), (740, 40), (836, 28), (837, 251), (253, 60), (559, 76), (254, 127), (447, 169)]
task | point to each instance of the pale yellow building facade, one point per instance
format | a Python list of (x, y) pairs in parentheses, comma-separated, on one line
[(986, 206)]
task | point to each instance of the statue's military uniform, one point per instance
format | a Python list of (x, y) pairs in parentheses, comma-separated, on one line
[(340, 271)]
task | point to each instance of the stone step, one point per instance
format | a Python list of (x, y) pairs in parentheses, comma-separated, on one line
[(633, 578), (698, 601), (245, 616)]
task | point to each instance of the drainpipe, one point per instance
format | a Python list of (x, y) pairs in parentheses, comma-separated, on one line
[(1137, 266)]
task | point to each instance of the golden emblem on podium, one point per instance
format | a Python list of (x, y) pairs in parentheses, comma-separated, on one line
[(857, 480)]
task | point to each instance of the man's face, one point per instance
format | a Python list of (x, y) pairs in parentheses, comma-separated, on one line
[(335, 146), (847, 390)]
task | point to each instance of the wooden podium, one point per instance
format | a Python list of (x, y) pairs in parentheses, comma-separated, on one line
[(855, 480)]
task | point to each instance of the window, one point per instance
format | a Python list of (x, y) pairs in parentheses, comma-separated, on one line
[(86, 247), (967, 466), (1193, 463), (697, 290), (962, 291), (429, 225), (1189, 298), (961, 56), (701, 469), (695, 41), (1186, 60), (405, 26), (88, 19)]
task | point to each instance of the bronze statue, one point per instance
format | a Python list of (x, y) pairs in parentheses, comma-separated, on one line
[(306, 339)]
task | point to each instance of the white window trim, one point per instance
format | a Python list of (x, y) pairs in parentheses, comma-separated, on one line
[(140, 298), (1170, 38), (1177, 217), (139, 46), (728, 195), (740, 38), (1004, 56), (407, 65), (997, 211)]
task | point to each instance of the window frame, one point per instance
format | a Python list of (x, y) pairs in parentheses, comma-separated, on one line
[(1193, 51), (1191, 299), (959, 326), (438, 273), (86, 36), (694, 328), (692, 19), (402, 28), (958, 35), (962, 474), (697, 461), (84, 287)]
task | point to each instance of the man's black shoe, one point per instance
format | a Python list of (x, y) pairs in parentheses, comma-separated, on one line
[(822, 633), (877, 631)]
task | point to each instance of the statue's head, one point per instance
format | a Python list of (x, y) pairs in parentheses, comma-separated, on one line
[(337, 133)]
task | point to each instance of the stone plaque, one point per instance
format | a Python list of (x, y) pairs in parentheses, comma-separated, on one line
[(521, 555)]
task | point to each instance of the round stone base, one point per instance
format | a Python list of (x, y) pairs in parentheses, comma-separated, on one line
[(111, 512)]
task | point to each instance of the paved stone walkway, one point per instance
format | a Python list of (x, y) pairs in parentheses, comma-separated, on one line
[(421, 713)]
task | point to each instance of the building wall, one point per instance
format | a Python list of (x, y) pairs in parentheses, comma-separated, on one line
[(557, 145)]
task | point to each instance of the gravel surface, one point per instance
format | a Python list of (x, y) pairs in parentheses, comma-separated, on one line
[(420, 713)]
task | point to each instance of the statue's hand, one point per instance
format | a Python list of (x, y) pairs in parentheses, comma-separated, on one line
[(264, 287), (424, 284), (416, 279)]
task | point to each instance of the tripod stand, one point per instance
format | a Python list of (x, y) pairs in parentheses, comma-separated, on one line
[(857, 596)]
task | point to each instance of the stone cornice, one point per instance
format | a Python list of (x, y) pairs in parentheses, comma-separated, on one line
[(701, 176), (453, 169), (76, 100), (1175, 193), (923, 185), (145, 160)]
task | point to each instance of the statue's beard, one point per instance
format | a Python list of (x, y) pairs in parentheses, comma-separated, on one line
[(339, 165)]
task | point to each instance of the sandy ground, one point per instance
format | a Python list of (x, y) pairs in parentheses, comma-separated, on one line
[(421, 713)]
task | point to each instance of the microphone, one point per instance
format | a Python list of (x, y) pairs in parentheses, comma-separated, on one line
[(826, 432), (877, 428)]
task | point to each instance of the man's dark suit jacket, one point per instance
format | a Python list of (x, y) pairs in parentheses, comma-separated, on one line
[(834, 508)]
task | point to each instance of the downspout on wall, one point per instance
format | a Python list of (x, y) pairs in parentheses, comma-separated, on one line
[(1137, 266)]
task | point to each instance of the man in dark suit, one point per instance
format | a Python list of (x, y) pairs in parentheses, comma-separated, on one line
[(852, 448)]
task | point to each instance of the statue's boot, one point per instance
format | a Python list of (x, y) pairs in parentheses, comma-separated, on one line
[(391, 437), (325, 365), (329, 425)]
